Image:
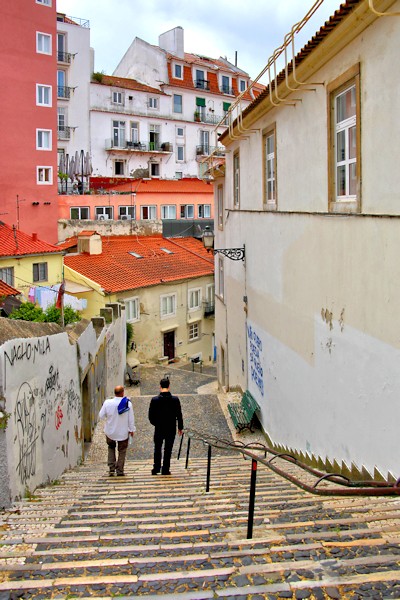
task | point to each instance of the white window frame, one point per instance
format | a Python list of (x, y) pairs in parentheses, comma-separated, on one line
[(40, 39), (203, 209), (153, 102), (134, 127), (194, 331), (345, 127), (123, 163), (44, 175), (40, 272), (210, 292), (117, 98), (194, 299), (242, 85), (80, 210), (152, 212), (166, 209), (132, 309), (221, 278), (178, 174), (176, 107), (180, 153), (118, 133), (178, 130), (187, 209), (41, 89), (220, 206), (104, 213), (156, 166), (236, 180), (7, 275), (127, 211), (223, 86), (43, 139), (168, 305), (269, 140), (44, 2), (177, 66)]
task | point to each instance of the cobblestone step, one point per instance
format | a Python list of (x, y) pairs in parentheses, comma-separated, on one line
[(96, 536)]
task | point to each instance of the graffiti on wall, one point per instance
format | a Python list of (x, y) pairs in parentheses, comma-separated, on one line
[(26, 432), (256, 358), (114, 358)]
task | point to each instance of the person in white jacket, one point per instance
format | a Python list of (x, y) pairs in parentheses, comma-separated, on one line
[(118, 428)]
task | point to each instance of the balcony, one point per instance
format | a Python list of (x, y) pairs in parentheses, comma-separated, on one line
[(64, 57), (225, 89), (138, 146), (202, 84), (209, 308), (64, 132), (64, 92), (206, 149), (210, 117)]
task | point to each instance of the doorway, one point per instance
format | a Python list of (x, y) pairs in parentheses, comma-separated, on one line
[(169, 344)]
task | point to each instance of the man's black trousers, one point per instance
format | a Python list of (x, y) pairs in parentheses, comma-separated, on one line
[(167, 438)]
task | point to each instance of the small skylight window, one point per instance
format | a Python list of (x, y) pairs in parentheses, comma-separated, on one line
[(166, 251), (136, 255)]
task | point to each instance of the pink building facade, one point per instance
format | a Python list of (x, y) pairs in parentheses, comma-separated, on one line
[(28, 107)]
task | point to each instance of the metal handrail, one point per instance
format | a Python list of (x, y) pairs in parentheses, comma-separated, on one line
[(350, 488)]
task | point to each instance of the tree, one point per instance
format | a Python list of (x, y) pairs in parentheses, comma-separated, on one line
[(29, 312)]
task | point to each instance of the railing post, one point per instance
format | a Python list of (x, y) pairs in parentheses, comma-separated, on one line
[(252, 499), (187, 452), (180, 446), (208, 468)]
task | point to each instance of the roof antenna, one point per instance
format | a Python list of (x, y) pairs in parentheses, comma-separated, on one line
[(235, 58)]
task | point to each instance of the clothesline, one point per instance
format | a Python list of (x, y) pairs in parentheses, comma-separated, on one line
[(44, 296)]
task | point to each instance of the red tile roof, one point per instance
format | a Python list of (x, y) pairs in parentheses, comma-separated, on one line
[(7, 290), (129, 84), (176, 186), (14, 242), (117, 270)]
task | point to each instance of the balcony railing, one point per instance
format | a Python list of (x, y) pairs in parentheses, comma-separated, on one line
[(225, 89), (64, 57), (138, 146), (206, 149), (209, 308), (64, 92), (64, 132), (209, 117), (202, 84)]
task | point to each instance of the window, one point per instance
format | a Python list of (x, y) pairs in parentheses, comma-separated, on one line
[(168, 305), (225, 107), (40, 271), (43, 95), (62, 54), (43, 139), (205, 142), (154, 169), (132, 308), (204, 211), (242, 85), (178, 174), (236, 180), (62, 90), (168, 211), (225, 85), (154, 137), (187, 211), (193, 331), (126, 213), (177, 103), (178, 72), (44, 2), (148, 213), (62, 129), (43, 43), (200, 112), (117, 98), (194, 299), (118, 133), (221, 290), (200, 81), (44, 175), (220, 206), (7, 275), (79, 212), (119, 167), (103, 213), (180, 153), (269, 169), (135, 132), (153, 102), (345, 130), (180, 132)]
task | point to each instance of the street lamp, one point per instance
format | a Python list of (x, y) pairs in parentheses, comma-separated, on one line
[(232, 253)]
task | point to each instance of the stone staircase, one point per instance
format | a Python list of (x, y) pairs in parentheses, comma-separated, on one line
[(90, 535)]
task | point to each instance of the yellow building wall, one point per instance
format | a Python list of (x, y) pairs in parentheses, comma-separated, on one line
[(23, 270)]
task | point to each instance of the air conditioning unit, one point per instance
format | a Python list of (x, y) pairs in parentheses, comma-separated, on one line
[(126, 218), (102, 218)]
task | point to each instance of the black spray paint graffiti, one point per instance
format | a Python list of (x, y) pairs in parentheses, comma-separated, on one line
[(25, 420), (25, 350), (73, 400)]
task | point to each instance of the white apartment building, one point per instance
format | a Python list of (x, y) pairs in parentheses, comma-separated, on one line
[(157, 116)]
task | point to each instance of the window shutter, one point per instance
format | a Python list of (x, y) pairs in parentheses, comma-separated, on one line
[(200, 102), (226, 105)]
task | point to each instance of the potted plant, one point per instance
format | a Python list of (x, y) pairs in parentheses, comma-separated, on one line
[(197, 115)]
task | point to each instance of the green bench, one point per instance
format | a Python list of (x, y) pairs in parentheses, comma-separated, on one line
[(243, 413)]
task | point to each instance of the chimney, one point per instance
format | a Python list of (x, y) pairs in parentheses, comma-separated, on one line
[(172, 41), (34, 237), (90, 242)]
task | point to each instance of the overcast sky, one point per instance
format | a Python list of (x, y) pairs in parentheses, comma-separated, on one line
[(253, 29)]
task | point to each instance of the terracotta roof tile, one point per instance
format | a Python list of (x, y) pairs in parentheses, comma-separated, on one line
[(129, 84), (176, 186), (14, 242), (7, 290), (117, 270)]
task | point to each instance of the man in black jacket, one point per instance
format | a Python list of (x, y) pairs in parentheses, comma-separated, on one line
[(164, 413)]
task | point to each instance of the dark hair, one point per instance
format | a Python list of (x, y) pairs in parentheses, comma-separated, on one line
[(164, 383)]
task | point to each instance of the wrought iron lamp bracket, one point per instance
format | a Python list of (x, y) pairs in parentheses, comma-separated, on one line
[(231, 253)]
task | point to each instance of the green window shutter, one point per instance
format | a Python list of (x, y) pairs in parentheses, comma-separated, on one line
[(226, 105), (200, 102)]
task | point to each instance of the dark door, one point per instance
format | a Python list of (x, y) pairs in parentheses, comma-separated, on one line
[(169, 344)]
